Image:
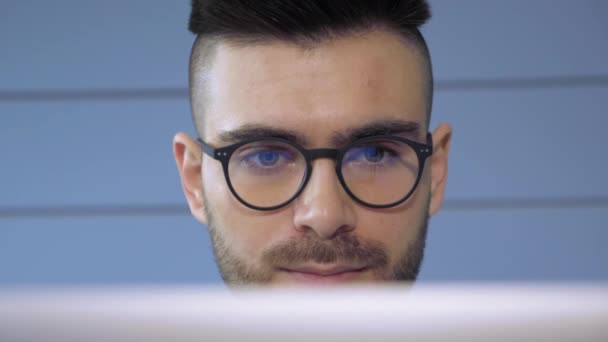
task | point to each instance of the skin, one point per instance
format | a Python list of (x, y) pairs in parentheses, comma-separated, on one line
[(335, 86)]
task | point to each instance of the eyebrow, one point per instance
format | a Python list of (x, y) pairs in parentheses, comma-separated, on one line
[(252, 132), (379, 127)]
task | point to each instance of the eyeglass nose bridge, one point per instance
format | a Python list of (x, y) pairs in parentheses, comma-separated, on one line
[(318, 153)]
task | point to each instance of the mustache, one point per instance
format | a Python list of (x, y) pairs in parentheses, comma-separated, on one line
[(345, 248)]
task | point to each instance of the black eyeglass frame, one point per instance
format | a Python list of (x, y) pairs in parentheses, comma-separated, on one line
[(223, 154)]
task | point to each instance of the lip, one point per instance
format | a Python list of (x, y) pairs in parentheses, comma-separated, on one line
[(318, 274)]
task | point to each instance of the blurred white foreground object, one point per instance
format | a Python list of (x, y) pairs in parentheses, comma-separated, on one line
[(420, 313)]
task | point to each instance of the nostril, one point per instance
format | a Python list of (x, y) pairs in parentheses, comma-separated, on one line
[(344, 229)]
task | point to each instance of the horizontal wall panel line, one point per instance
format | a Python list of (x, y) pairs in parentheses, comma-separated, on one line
[(585, 81), (110, 94), (107, 94), (181, 210), (526, 203), (95, 211)]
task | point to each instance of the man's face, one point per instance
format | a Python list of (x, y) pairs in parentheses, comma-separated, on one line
[(334, 88)]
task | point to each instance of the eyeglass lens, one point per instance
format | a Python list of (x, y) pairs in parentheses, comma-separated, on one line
[(380, 172), (269, 173)]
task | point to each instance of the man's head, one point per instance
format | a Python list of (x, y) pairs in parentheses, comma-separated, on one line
[(328, 76)]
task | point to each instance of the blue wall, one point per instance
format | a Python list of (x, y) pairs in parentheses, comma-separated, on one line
[(91, 93)]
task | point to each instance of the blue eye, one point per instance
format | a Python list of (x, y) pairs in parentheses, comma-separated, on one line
[(369, 154), (267, 158), (373, 154)]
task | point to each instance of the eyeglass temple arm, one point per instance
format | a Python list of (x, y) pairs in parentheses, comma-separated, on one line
[(208, 150), (429, 142)]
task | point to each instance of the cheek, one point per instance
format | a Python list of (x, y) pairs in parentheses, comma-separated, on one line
[(248, 232), (396, 229)]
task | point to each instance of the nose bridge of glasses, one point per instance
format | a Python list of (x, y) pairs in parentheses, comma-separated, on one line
[(330, 153), (322, 153)]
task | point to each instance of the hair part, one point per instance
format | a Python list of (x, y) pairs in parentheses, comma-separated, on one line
[(305, 23)]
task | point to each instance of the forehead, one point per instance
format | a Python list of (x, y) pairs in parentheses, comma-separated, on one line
[(336, 85)]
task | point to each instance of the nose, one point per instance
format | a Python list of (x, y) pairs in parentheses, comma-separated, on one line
[(323, 206)]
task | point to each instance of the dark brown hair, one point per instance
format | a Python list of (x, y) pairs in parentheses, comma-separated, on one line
[(303, 19)]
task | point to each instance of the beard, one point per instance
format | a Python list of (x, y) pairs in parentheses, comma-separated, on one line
[(347, 248)]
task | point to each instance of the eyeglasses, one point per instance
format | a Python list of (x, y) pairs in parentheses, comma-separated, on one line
[(268, 173)]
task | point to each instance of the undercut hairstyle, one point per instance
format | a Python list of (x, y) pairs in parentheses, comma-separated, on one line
[(303, 22)]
